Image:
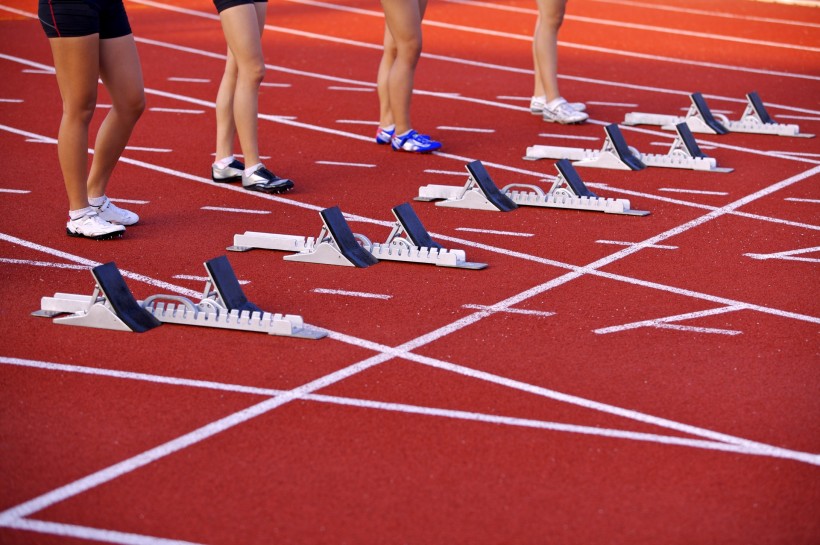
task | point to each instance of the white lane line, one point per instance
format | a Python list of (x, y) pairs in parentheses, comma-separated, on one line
[(18, 191), (12, 100), (177, 111), (237, 210), (692, 191), (613, 104), (356, 122), (567, 136), (621, 243), (345, 164), (789, 255), (129, 201), (345, 88), (795, 199), (447, 172), (525, 312), (464, 129), (92, 534), (153, 150), (345, 293), (189, 80), (47, 264), (493, 232), (656, 322)]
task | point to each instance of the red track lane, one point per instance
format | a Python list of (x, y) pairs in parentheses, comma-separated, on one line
[(666, 394)]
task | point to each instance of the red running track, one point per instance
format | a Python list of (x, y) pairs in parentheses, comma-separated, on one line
[(607, 379)]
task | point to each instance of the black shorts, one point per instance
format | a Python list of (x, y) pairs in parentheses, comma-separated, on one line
[(71, 18), (222, 5)]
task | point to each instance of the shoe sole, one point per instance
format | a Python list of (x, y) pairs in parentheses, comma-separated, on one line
[(105, 236), (229, 180), (261, 188)]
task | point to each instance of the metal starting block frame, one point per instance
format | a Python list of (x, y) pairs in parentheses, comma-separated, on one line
[(614, 154), (568, 191), (699, 118), (112, 306), (336, 244), (684, 154)]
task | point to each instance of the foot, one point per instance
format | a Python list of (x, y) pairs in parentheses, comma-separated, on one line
[(265, 181), (384, 136), (537, 105), (414, 142), (110, 212), (92, 226), (559, 111), (228, 174)]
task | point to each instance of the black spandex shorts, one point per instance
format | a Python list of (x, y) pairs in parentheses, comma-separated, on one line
[(70, 18), (222, 5)]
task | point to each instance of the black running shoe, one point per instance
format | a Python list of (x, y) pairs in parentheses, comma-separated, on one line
[(265, 181)]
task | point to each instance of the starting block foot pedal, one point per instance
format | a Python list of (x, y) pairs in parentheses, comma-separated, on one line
[(479, 193), (110, 306), (336, 243), (755, 119), (570, 192), (684, 154), (410, 242)]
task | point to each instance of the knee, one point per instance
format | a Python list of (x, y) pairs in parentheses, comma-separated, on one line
[(253, 73), (410, 50), (80, 110), (132, 106)]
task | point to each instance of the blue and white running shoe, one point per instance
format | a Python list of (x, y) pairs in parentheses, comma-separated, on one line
[(384, 136), (414, 142)]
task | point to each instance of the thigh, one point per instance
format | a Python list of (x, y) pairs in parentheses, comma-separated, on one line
[(120, 70), (77, 63), (403, 19), (237, 24)]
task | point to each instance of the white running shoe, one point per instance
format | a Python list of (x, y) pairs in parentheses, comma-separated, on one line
[(537, 105), (562, 112), (112, 213), (94, 227)]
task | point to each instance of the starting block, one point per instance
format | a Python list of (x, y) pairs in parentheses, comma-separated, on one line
[(684, 154), (478, 193), (755, 119), (410, 242), (568, 191), (615, 154), (223, 305), (336, 244)]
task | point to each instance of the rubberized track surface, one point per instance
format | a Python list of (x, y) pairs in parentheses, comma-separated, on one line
[(607, 379)]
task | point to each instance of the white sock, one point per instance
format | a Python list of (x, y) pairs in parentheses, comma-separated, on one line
[(222, 163), (97, 201), (77, 214), (254, 168), (389, 128), (541, 98)]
